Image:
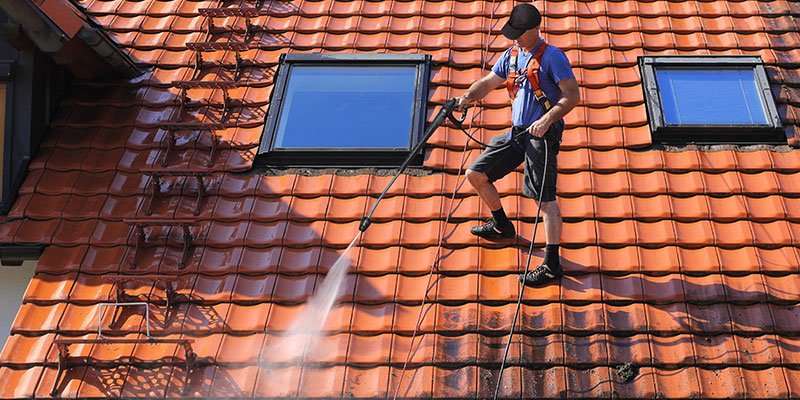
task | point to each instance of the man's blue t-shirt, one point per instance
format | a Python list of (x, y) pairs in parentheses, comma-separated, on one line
[(555, 66)]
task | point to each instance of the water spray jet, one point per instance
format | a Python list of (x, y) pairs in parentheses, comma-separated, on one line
[(302, 336)]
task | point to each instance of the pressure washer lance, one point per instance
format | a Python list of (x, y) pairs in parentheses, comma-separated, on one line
[(445, 112)]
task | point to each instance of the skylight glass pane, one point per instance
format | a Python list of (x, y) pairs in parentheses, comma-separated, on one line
[(710, 96), (347, 107)]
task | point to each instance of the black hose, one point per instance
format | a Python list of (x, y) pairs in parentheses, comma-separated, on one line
[(522, 284), (447, 112), (530, 249)]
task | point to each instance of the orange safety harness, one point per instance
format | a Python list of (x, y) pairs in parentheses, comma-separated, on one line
[(532, 74)]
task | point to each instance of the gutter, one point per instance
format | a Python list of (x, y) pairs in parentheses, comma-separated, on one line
[(15, 254), (106, 49), (61, 30)]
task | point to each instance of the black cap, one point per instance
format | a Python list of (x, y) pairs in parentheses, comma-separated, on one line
[(523, 17)]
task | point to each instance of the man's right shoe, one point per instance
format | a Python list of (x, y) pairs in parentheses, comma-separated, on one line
[(492, 230), (540, 276)]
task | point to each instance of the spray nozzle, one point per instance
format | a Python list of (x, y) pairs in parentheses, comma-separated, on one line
[(365, 223)]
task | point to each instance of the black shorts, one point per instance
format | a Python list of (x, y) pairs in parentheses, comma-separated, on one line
[(510, 149)]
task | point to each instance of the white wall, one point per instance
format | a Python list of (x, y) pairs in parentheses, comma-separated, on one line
[(13, 282)]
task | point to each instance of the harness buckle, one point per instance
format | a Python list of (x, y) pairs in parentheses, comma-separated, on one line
[(529, 73)]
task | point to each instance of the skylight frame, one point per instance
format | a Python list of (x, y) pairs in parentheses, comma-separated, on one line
[(768, 133), (272, 155)]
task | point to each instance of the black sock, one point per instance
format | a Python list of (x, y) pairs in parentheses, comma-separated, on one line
[(551, 258), (500, 217)]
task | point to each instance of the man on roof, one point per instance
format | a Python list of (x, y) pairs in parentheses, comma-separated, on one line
[(543, 90)]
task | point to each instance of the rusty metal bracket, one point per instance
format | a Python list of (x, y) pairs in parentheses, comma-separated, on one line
[(65, 362), (116, 308), (139, 225), (166, 280), (158, 173)]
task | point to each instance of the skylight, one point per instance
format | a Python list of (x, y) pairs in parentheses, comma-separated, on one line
[(709, 100), (345, 109)]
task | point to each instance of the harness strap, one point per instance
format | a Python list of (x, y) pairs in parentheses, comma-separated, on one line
[(511, 85), (532, 74)]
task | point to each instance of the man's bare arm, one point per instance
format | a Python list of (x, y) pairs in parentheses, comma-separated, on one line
[(570, 96), (480, 88)]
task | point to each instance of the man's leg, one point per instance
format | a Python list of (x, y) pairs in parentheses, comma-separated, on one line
[(552, 228), (541, 168), (552, 222), (486, 190), (499, 226), (551, 265), (495, 162)]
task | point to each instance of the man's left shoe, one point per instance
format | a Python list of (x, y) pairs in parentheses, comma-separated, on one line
[(540, 276), (492, 230)]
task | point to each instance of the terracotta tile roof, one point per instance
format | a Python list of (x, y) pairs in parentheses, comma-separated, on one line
[(682, 263)]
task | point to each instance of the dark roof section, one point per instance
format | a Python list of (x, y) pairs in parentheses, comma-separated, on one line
[(61, 30)]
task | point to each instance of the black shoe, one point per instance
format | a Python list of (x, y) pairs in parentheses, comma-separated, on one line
[(492, 230), (541, 275)]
